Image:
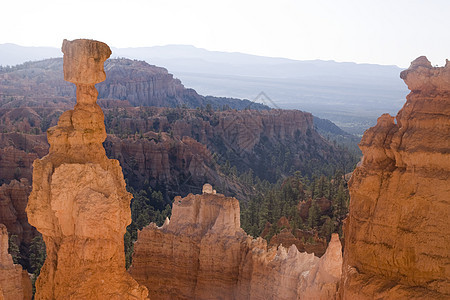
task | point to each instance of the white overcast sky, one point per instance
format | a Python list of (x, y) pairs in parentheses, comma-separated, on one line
[(365, 31)]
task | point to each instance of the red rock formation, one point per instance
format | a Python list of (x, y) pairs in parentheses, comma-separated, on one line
[(14, 282), (305, 241), (15, 163), (162, 158), (244, 130), (17, 153), (396, 235), (41, 83), (13, 201), (143, 85), (225, 134), (323, 203), (202, 253), (79, 202), (321, 282)]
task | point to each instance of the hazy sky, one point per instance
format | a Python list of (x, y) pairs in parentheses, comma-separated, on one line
[(372, 31)]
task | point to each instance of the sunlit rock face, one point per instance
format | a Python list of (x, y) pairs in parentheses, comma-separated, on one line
[(397, 232), (14, 282), (79, 202), (202, 253)]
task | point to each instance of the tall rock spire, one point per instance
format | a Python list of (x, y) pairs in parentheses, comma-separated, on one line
[(396, 235), (15, 283), (79, 202)]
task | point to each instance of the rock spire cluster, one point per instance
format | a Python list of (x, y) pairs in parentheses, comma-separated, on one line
[(15, 283), (202, 253), (397, 232), (79, 202)]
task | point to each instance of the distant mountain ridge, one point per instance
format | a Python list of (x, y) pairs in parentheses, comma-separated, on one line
[(349, 94), (12, 54)]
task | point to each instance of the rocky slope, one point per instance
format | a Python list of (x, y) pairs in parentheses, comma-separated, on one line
[(79, 202), (202, 253), (15, 283), (396, 236)]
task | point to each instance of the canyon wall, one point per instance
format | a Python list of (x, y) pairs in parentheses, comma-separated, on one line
[(15, 283), (161, 159), (396, 234), (13, 201), (79, 202), (144, 85), (202, 253), (268, 142)]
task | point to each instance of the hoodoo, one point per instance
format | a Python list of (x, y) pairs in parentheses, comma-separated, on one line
[(79, 202), (202, 253), (14, 282), (397, 232)]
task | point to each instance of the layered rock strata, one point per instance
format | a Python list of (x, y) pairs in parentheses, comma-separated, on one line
[(396, 236), (15, 283), (162, 159), (79, 202), (202, 253), (145, 85)]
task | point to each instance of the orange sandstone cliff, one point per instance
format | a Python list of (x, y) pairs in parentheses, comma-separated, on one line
[(15, 283), (397, 241), (202, 253), (79, 202)]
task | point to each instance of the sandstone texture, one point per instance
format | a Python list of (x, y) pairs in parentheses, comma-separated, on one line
[(15, 283), (202, 253), (13, 201), (79, 202), (397, 232)]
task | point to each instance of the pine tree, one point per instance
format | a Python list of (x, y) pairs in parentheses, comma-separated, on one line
[(37, 254), (13, 248), (314, 214), (327, 228)]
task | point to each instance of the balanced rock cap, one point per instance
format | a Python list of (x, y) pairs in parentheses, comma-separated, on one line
[(83, 61)]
